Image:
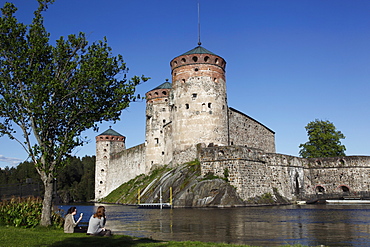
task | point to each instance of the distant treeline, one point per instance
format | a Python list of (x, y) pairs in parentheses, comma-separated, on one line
[(74, 183)]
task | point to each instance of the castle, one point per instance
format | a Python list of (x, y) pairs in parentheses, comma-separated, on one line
[(190, 119)]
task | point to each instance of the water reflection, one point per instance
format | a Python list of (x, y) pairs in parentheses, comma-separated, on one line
[(331, 225)]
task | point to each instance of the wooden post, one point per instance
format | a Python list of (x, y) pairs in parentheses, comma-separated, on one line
[(138, 196), (171, 196)]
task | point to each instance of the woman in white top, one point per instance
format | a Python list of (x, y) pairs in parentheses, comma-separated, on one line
[(97, 223)]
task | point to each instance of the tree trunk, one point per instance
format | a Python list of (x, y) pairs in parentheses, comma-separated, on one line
[(47, 202)]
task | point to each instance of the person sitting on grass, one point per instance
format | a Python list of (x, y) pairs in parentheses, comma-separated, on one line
[(97, 223), (69, 222)]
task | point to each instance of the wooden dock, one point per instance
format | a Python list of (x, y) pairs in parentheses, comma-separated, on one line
[(155, 205)]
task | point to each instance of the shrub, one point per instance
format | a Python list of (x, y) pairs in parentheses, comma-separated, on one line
[(25, 212)]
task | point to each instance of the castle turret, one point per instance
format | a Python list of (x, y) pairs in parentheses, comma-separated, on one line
[(157, 117), (199, 103), (107, 143)]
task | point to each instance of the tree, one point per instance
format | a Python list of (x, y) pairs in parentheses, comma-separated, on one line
[(51, 93), (323, 140)]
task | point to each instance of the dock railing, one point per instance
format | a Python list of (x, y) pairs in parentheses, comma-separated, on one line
[(160, 205)]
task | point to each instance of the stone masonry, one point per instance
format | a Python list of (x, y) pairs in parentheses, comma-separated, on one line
[(189, 119)]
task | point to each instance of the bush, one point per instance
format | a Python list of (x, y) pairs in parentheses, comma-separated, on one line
[(25, 212)]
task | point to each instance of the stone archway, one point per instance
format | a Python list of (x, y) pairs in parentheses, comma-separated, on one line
[(319, 189), (344, 188)]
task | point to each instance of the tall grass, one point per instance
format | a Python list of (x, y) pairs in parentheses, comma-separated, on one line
[(25, 213)]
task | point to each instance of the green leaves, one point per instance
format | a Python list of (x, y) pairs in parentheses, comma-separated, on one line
[(24, 212), (323, 141), (54, 93)]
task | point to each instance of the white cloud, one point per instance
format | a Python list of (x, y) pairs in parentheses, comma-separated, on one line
[(9, 161)]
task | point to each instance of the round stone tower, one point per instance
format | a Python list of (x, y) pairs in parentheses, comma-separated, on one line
[(199, 102), (157, 118), (107, 143)]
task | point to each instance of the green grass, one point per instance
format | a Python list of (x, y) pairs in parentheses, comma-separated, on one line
[(18, 237)]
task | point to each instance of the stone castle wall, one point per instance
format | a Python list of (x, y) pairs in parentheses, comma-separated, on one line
[(245, 131), (126, 165), (254, 172)]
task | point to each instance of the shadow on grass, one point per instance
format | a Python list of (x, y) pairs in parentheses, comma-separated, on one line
[(116, 240)]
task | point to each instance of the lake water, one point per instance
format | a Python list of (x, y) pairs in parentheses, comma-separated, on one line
[(330, 225)]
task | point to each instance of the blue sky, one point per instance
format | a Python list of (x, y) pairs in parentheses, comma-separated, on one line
[(289, 62)]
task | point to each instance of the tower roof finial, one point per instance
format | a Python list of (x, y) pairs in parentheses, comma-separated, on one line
[(199, 43)]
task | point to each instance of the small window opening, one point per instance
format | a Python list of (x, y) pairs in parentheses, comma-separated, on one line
[(156, 140), (186, 106), (320, 189), (206, 58), (196, 69), (209, 105), (195, 58), (194, 95), (183, 60), (344, 188)]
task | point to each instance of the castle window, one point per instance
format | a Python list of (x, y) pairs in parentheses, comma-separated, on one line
[(163, 109), (194, 95), (216, 61), (183, 60), (175, 63), (209, 105), (186, 106), (105, 150), (183, 80), (156, 140), (164, 93), (164, 120), (156, 93), (206, 58), (102, 170), (215, 79), (196, 69), (162, 153), (342, 163), (101, 182), (195, 59)]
